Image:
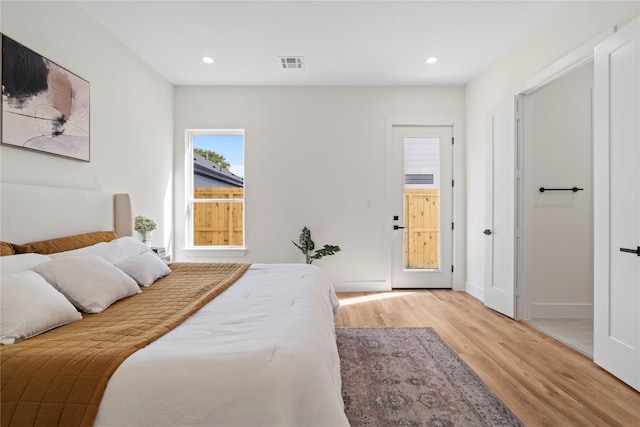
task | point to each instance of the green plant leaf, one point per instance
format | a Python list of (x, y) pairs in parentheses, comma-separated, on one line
[(307, 245), (327, 250)]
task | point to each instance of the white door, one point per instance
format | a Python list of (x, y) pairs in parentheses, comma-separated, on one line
[(617, 205), (500, 243), (422, 235)]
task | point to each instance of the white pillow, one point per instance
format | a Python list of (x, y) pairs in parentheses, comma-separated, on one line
[(89, 282), (21, 262), (115, 251), (30, 306), (145, 268)]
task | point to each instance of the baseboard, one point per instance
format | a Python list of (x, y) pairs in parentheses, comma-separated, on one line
[(474, 290), (561, 311), (372, 286)]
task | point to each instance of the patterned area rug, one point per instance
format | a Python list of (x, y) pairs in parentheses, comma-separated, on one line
[(411, 377)]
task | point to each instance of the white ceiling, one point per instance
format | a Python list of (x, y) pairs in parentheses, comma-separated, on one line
[(378, 43)]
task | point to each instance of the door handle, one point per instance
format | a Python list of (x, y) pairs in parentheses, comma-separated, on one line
[(397, 227), (632, 251), (487, 232)]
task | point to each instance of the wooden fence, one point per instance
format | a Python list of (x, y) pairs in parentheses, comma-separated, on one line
[(221, 223), (218, 223), (422, 232)]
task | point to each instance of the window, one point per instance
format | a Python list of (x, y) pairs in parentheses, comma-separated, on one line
[(418, 178), (215, 188)]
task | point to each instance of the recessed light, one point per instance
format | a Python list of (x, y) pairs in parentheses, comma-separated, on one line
[(207, 60), (432, 60)]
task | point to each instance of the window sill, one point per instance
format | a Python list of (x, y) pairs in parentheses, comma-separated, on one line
[(215, 251)]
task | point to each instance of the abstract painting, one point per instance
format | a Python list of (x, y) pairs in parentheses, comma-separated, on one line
[(44, 106)]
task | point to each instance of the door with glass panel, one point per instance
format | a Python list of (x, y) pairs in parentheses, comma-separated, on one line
[(422, 230)]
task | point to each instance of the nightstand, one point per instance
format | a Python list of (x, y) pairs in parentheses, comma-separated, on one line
[(162, 254)]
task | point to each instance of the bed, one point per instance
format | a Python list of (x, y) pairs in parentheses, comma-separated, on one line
[(259, 350)]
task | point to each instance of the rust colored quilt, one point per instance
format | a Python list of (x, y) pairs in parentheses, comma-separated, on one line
[(59, 377)]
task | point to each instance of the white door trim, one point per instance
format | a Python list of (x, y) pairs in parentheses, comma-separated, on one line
[(572, 61), (459, 215)]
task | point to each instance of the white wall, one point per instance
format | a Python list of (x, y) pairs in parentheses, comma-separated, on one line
[(131, 112), (314, 156), (567, 28)]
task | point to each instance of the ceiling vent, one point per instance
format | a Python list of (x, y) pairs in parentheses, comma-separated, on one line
[(292, 62)]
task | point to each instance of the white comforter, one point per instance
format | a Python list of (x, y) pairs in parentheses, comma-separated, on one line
[(263, 353)]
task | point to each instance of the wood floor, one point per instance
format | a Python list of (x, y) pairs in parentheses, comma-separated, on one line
[(543, 381)]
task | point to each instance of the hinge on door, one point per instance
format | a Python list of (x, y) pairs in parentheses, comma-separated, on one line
[(452, 268), (453, 182), (453, 140), (452, 226)]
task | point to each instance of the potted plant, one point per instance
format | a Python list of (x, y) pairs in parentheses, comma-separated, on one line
[(307, 246), (144, 226)]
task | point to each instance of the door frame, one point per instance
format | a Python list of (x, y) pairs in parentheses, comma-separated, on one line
[(459, 214), (567, 64), (440, 277)]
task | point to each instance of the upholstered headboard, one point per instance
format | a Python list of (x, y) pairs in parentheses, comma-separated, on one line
[(30, 213)]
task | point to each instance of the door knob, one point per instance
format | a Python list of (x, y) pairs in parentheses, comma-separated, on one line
[(397, 227), (632, 251), (487, 232)]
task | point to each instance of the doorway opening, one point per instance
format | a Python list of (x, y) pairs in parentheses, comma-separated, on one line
[(557, 208)]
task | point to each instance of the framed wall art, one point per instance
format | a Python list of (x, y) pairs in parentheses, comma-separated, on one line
[(45, 107)]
